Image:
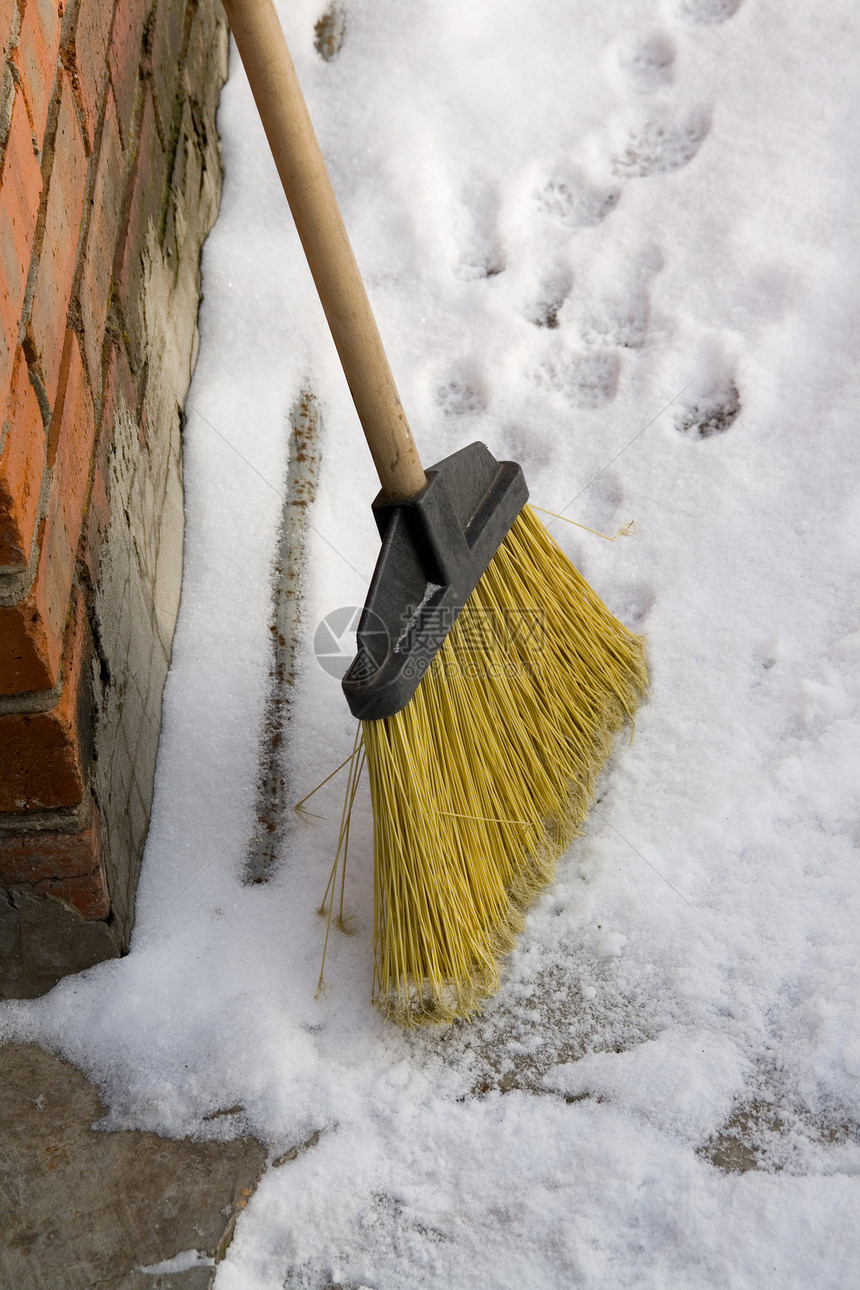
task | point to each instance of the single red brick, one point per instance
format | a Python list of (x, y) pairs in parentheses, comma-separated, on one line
[(124, 57), (46, 754), (101, 239), (31, 632), (143, 221), (24, 858), (22, 464), (20, 191), (65, 866), (92, 36), (36, 59), (60, 246)]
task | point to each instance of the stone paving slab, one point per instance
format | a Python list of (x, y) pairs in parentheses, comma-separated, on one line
[(82, 1208)]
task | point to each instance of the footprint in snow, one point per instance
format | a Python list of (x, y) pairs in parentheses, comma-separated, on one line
[(706, 13), (480, 260), (459, 395), (711, 411), (481, 253), (645, 61), (586, 381), (615, 321), (329, 31), (611, 307), (660, 145), (555, 289), (568, 197), (600, 508), (633, 601), (520, 441)]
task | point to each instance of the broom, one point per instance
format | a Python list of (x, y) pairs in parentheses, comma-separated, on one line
[(489, 678)]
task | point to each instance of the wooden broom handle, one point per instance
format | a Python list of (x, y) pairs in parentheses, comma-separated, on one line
[(297, 155)]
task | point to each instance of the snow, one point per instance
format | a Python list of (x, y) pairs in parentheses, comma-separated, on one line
[(180, 1262), (617, 243)]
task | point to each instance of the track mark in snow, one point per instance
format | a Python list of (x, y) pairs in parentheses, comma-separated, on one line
[(302, 474), (544, 311), (486, 263), (709, 412), (461, 395), (615, 321), (610, 307), (660, 145), (586, 381), (329, 31), (520, 443), (707, 13), (482, 255), (402, 1221), (298, 1150), (568, 197), (319, 1274), (633, 602), (646, 60)]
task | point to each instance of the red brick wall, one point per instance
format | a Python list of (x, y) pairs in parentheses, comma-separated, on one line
[(93, 101)]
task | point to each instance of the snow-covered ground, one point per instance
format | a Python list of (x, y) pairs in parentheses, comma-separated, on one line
[(616, 242)]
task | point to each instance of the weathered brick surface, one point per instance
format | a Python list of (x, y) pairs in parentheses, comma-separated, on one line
[(124, 56), (92, 35), (65, 866), (205, 58), (46, 754), (109, 180), (101, 242), (58, 257), (22, 463), (70, 446), (144, 214), (20, 191), (87, 893), (31, 632), (167, 42), (36, 59), (7, 14), (27, 660), (119, 392)]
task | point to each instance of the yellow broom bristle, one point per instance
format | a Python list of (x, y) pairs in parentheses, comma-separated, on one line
[(479, 783)]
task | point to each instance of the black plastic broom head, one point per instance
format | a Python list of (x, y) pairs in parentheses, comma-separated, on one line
[(436, 547)]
